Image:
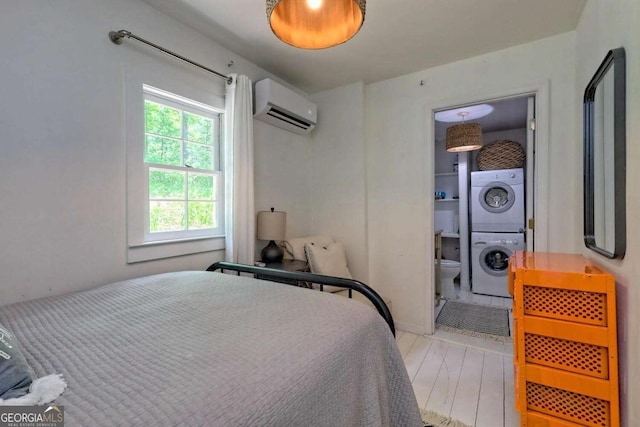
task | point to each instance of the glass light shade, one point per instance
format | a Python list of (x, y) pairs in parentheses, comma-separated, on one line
[(271, 225), (332, 23), (464, 137)]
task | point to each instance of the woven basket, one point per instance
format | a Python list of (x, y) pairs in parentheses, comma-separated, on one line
[(501, 154)]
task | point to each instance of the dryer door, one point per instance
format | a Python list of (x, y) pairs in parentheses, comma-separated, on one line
[(497, 197), (494, 260)]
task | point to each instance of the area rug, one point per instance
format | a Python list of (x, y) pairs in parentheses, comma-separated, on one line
[(433, 419), (475, 320)]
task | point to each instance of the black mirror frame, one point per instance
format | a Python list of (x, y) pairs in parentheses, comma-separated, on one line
[(615, 57)]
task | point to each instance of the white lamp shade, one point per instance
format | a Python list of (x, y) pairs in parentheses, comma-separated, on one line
[(271, 225)]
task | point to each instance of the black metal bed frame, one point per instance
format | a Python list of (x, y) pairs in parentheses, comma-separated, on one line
[(302, 279)]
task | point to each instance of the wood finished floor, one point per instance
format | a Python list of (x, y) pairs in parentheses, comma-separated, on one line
[(464, 378)]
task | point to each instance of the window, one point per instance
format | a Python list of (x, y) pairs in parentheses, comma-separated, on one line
[(182, 168), (175, 177)]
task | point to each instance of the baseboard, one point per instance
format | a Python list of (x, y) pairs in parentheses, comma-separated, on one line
[(410, 327)]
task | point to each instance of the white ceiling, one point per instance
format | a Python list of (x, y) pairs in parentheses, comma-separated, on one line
[(398, 36)]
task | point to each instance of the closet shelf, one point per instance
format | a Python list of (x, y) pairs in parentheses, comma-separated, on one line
[(451, 235)]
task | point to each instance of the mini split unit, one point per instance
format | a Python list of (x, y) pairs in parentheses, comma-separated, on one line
[(282, 107)]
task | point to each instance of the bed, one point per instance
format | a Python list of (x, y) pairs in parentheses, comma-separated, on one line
[(207, 348)]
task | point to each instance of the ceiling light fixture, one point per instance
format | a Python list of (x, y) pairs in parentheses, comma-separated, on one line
[(474, 112), (315, 24), (314, 4), (464, 136)]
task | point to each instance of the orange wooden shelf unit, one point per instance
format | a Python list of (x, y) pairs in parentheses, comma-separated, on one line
[(565, 346)]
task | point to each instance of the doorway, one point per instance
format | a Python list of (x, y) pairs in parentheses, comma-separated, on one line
[(510, 121)]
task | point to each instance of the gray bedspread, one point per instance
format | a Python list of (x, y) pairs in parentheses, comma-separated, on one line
[(201, 348)]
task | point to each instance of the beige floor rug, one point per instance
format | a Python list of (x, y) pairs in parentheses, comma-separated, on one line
[(433, 419)]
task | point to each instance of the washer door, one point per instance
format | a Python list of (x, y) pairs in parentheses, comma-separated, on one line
[(497, 197), (494, 260)]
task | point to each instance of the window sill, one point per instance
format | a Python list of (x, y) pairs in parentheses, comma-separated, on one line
[(171, 248)]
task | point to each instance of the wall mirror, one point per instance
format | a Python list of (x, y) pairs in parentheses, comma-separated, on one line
[(605, 158)]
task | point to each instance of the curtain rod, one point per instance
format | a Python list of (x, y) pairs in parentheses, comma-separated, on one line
[(117, 37)]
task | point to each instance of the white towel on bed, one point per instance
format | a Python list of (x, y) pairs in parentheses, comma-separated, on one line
[(43, 390)]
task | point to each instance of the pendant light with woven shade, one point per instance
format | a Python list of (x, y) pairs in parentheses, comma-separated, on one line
[(464, 136), (315, 24)]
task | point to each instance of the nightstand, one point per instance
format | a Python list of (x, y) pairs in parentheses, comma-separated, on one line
[(287, 265)]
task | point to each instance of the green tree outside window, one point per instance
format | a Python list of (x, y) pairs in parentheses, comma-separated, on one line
[(182, 194)]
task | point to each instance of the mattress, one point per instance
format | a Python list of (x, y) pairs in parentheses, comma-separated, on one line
[(203, 348)]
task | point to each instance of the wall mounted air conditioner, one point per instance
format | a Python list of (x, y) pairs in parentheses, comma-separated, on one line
[(282, 107)]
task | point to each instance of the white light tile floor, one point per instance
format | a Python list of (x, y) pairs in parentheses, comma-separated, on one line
[(466, 378)]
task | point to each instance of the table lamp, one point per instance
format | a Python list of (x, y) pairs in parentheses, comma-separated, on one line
[(271, 226)]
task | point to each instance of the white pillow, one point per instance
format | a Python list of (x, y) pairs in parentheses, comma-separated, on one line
[(328, 260), (295, 246)]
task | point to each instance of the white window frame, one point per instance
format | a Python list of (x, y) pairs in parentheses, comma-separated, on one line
[(142, 245)]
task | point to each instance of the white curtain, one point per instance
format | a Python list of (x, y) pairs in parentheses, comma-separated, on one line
[(240, 221)]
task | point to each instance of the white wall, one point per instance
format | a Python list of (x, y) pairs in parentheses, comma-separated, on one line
[(606, 25), (400, 168), (282, 178), (62, 127), (338, 188)]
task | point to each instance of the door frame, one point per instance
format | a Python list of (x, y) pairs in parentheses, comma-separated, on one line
[(531, 175), (540, 163)]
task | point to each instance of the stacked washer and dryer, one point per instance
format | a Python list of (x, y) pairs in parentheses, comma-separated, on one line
[(497, 227)]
